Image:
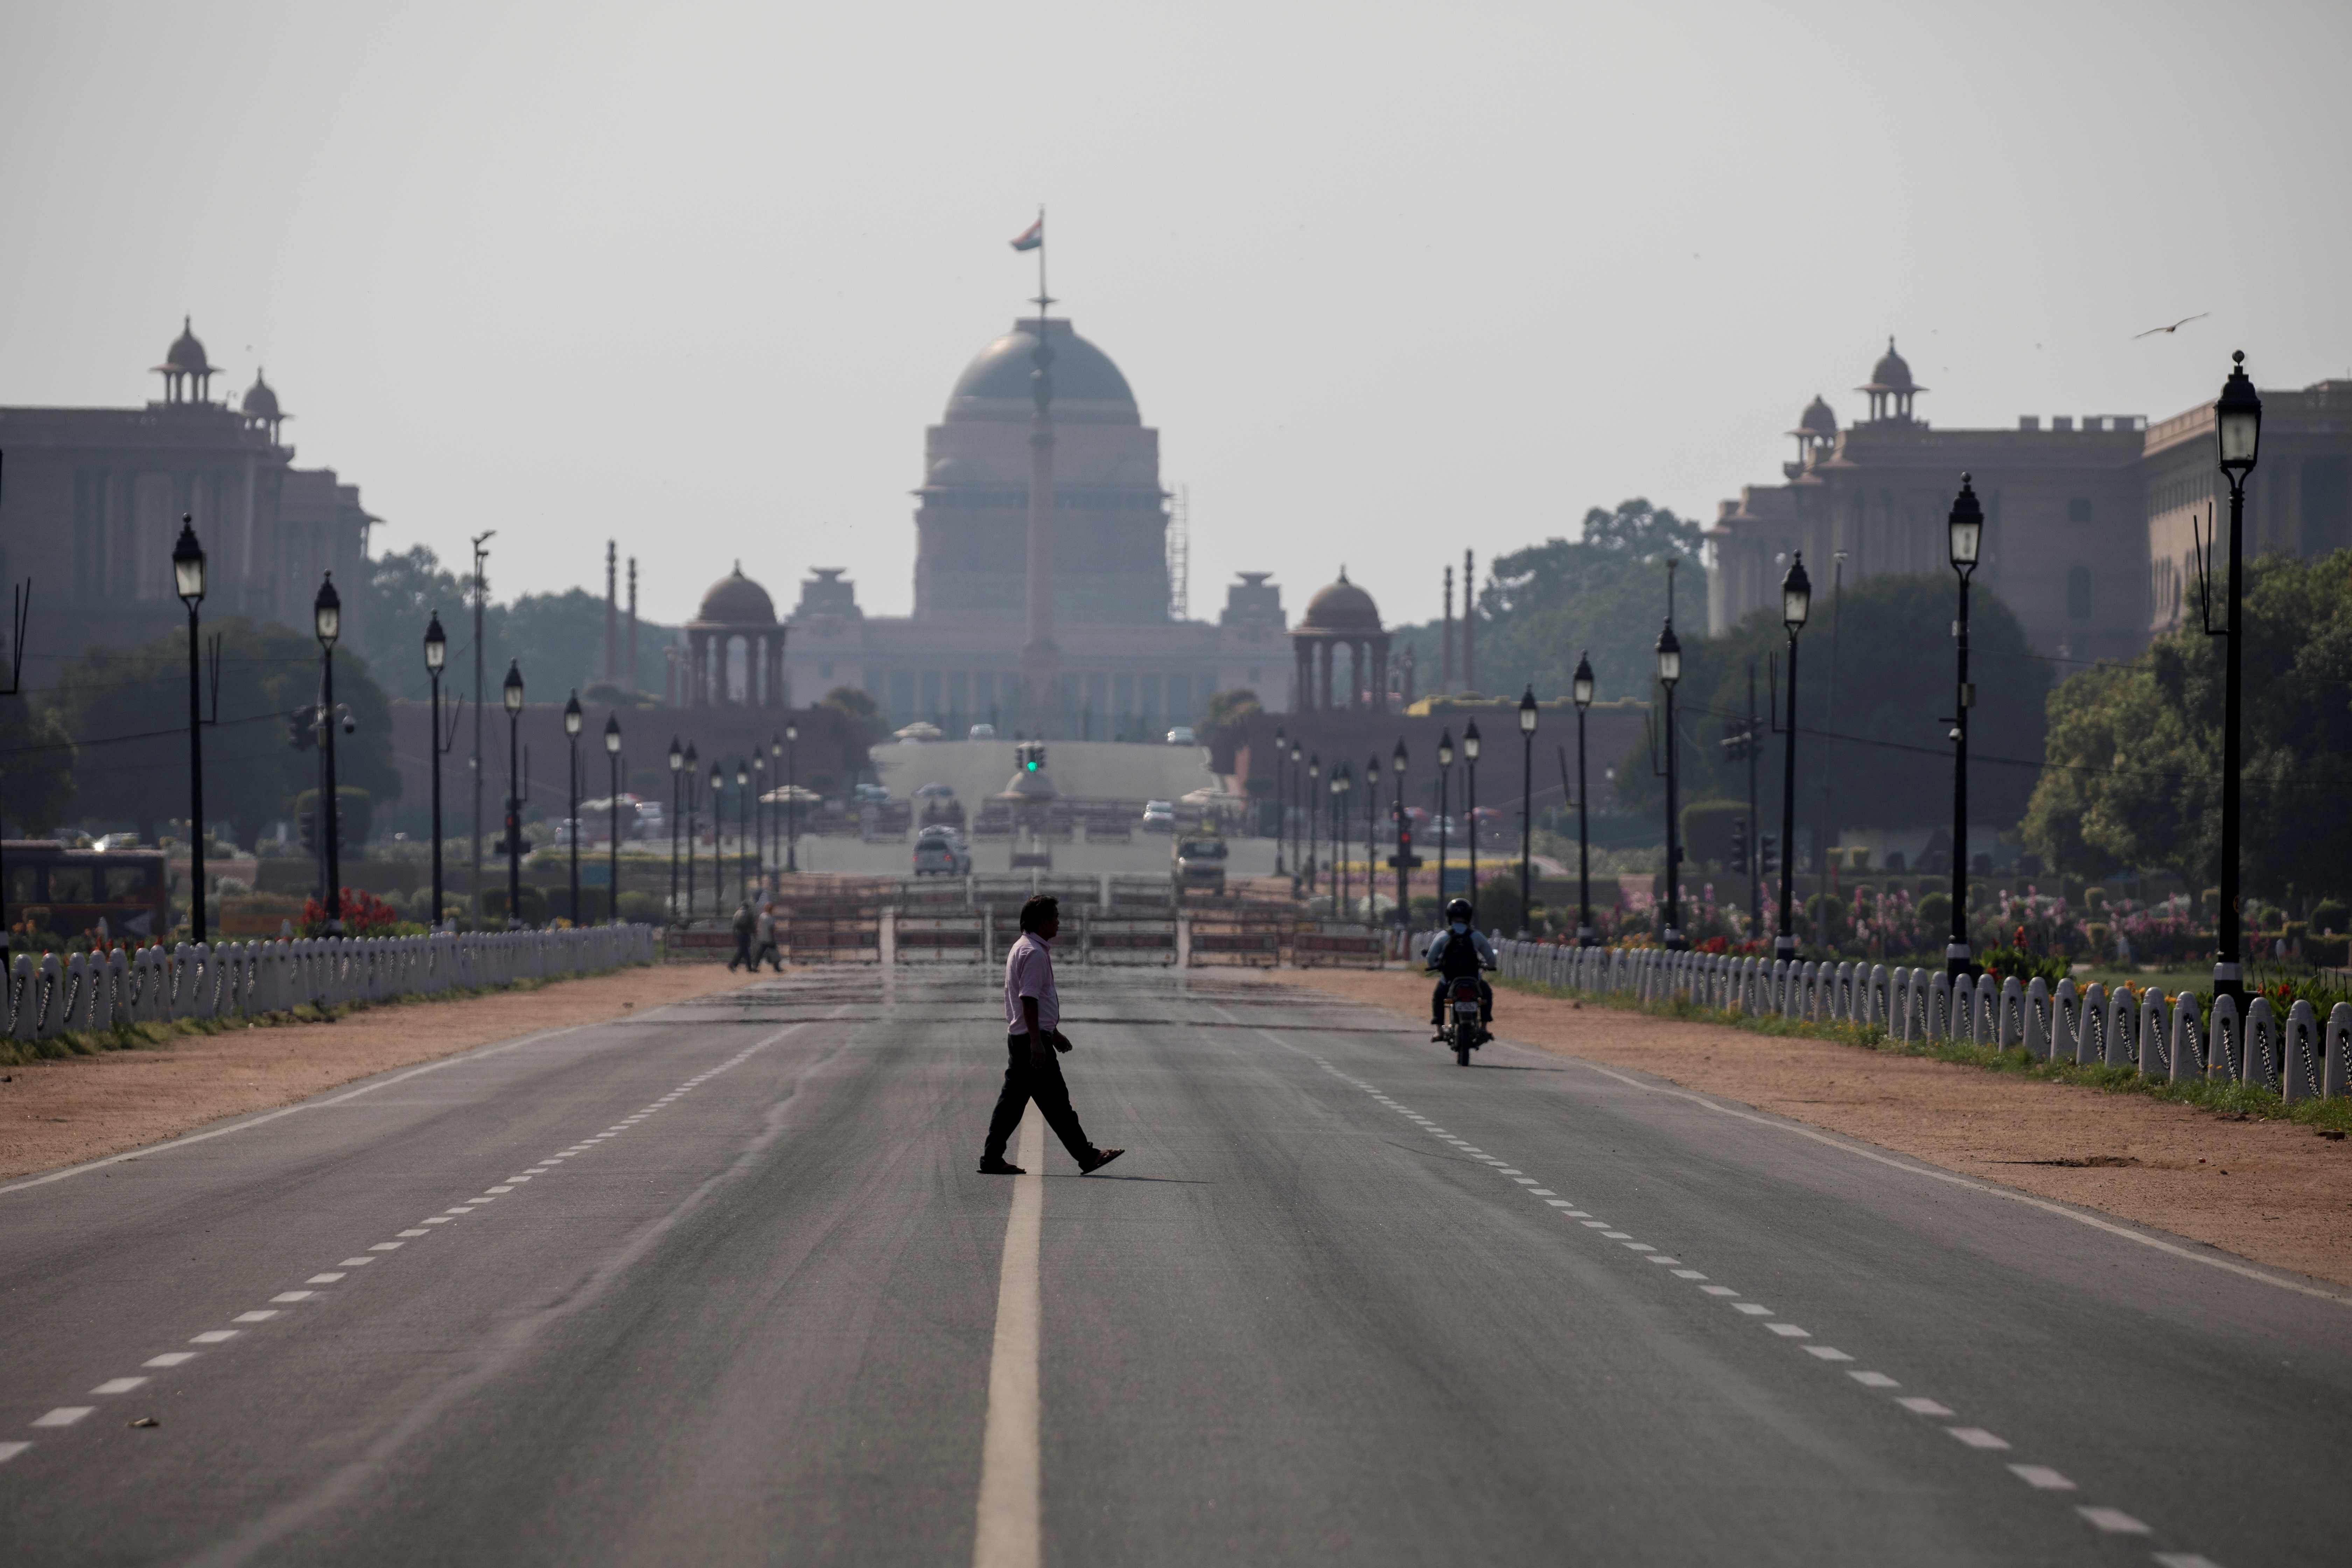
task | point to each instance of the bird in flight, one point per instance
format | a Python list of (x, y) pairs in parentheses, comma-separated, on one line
[(2174, 328)]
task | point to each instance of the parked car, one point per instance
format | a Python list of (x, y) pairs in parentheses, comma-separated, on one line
[(1181, 735), (1198, 865), (940, 850), (1159, 817), (982, 732)]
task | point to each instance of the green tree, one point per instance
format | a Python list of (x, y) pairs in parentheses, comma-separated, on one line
[(127, 712), (36, 760), (1605, 592), (2135, 763), (1874, 693)]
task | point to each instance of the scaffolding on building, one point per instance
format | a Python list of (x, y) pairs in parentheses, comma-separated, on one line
[(1179, 555)]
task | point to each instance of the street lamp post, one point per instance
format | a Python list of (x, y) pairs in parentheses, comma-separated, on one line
[(1341, 782), (1470, 800), (689, 781), (512, 693), (677, 811), (1670, 672), (1281, 800), (1796, 603), (436, 657), (1313, 819), (188, 577), (791, 804), (760, 813), (1444, 767), (1297, 855), (718, 840), (1527, 711), (1964, 527), (571, 718), (612, 851), (744, 854), (326, 625), (1582, 690), (1404, 844), (1371, 838), (2238, 430)]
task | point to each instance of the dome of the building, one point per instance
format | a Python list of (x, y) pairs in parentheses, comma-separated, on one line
[(1341, 606), (1818, 418), (737, 601), (186, 353), (998, 377), (260, 398), (1890, 373)]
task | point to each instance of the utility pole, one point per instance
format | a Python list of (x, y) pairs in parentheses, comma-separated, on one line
[(481, 595)]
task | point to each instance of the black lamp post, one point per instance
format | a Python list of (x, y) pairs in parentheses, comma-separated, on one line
[(1313, 819), (612, 880), (436, 657), (1297, 855), (791, 805), (743, 862), (188, 577), (571, 718), (1342, 781), (1470, 799), (1670, 672), (2238, 432), (1582, 690), (677, 812), (1527, 711), (689, 781), (326, 624), (1371, 838), (760, 813), (512, 692), (1444, 768), (1281, 800), (1966, 530), (718, 840), (1796, 603), (1403, 841)]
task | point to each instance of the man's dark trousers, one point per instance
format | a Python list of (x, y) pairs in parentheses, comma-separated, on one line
[(1023, 1083)]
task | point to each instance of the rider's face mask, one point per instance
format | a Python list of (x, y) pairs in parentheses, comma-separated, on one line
[(1461, 927)]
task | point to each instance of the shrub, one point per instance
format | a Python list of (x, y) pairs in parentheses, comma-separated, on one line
[(2331, 916), (1935, 911)]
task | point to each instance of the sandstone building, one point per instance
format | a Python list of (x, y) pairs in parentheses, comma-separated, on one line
[(91, 499), (2086, 520)]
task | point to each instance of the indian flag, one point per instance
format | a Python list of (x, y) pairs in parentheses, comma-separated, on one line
[(1032, 237)]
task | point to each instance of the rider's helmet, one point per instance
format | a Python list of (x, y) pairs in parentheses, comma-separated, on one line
[(1459, 909)]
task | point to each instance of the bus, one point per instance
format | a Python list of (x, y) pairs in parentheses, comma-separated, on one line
[(69, 891)]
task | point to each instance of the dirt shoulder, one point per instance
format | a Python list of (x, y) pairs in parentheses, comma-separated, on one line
[(2269, 1191), (68, 1110)]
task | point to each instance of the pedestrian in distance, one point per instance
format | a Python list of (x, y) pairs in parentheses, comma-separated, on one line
[(1033, 1017), (744, 926), (767, 948)]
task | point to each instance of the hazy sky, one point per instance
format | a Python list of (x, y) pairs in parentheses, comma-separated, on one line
[(1390, 279)]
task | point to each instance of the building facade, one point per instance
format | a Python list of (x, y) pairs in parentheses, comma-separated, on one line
[(91, 499), (1124, 666), (2086, 520)]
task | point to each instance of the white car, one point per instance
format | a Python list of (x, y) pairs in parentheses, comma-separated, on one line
[(982, 732), (1181, 735), (1159, 817), (940, 850)]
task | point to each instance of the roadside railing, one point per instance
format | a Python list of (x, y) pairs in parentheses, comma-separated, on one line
[(89, 992), (2155, 1035)]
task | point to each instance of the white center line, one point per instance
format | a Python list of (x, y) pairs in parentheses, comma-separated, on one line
[(1976, 1437), (64, 1416), (324, 1279), (1752, 1309), (293, 1295), (262, 1316), (2042, 1478), (1873, 1380), (1788, 1330), (214, 1336), (169, 1358), (1010, 1528), (1918, 1406), (355, 1262), (2114, 1520), (118, 1385)]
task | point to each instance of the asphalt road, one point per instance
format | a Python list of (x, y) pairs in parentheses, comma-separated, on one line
[(720, 1285)]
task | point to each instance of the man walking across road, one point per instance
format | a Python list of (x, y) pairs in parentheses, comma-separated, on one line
[(1033, 1017), (744, 928), (765, 947)]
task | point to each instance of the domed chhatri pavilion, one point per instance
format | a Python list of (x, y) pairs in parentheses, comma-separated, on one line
[(1117, 661), (1341, 617), (736, 615)]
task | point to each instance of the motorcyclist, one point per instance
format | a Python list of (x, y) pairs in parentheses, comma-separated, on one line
[(1461, 949)]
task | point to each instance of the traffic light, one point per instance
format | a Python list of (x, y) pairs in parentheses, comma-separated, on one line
[(302, 728), (310, 831), (1768, 855), (1740, 844), (1739, 740)]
